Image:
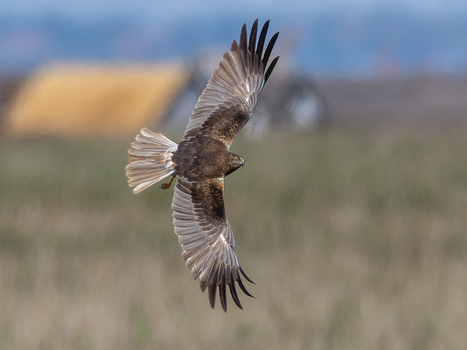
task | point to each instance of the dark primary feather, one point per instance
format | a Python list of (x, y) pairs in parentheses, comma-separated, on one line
[(243, 38), (268, 53), (262, 38), (271, 67), (252, 44)]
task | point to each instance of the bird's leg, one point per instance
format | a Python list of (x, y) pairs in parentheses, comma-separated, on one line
[(167, 185)]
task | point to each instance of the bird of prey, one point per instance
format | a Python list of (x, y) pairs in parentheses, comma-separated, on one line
[(201, 161)]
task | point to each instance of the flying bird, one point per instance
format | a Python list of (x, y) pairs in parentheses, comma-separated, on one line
[(202, 160)]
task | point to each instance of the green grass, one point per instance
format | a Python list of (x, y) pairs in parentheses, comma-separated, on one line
[(355, 239)]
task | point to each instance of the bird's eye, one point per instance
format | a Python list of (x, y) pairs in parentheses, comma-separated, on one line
[(236, 157)]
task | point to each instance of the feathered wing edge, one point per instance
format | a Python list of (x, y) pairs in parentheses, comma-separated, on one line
[(239, 77), (150, 159), (208, 248), (252, 58)]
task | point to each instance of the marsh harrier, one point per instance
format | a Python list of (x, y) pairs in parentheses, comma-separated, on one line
[(202, 160)]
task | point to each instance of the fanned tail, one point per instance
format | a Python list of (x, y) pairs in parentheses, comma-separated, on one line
[(150, 159)]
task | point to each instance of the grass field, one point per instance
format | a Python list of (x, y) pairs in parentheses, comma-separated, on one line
[(355, 239)]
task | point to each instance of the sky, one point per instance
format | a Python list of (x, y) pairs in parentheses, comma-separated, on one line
[(168, 10), (354, 41)]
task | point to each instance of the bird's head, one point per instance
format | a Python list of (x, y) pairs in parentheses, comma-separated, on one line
[(235, 161)]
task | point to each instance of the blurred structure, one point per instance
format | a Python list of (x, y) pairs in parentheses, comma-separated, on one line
[(419, 99), (80, 100), (9, 87)]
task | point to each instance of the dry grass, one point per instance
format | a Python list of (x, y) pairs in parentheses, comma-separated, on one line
[(355, 239)]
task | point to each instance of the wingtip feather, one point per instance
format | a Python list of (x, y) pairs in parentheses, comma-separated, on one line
[(243, 37), (252, 43), (262, 39), (270, 68), (269, 48)]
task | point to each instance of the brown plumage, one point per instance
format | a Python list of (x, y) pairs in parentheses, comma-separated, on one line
[(202, 160)]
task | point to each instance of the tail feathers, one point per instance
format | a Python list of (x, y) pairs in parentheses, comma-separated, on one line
[(150, 159)]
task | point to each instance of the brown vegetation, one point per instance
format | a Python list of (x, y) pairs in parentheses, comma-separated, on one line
[(355, 239)]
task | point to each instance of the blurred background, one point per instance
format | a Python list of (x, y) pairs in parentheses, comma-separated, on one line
[(350, 214)]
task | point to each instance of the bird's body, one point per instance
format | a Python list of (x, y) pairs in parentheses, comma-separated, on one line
[(201, 161), (202, 157)]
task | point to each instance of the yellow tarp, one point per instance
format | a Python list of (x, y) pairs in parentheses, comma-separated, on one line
[(83, 100)]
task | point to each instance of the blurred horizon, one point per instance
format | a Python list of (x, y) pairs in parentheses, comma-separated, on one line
[(325, 39)]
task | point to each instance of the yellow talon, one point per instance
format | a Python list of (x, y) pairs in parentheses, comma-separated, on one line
[(167, 185)]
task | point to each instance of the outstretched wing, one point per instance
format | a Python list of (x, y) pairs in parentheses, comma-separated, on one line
[(207, 238), (229, 100)]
